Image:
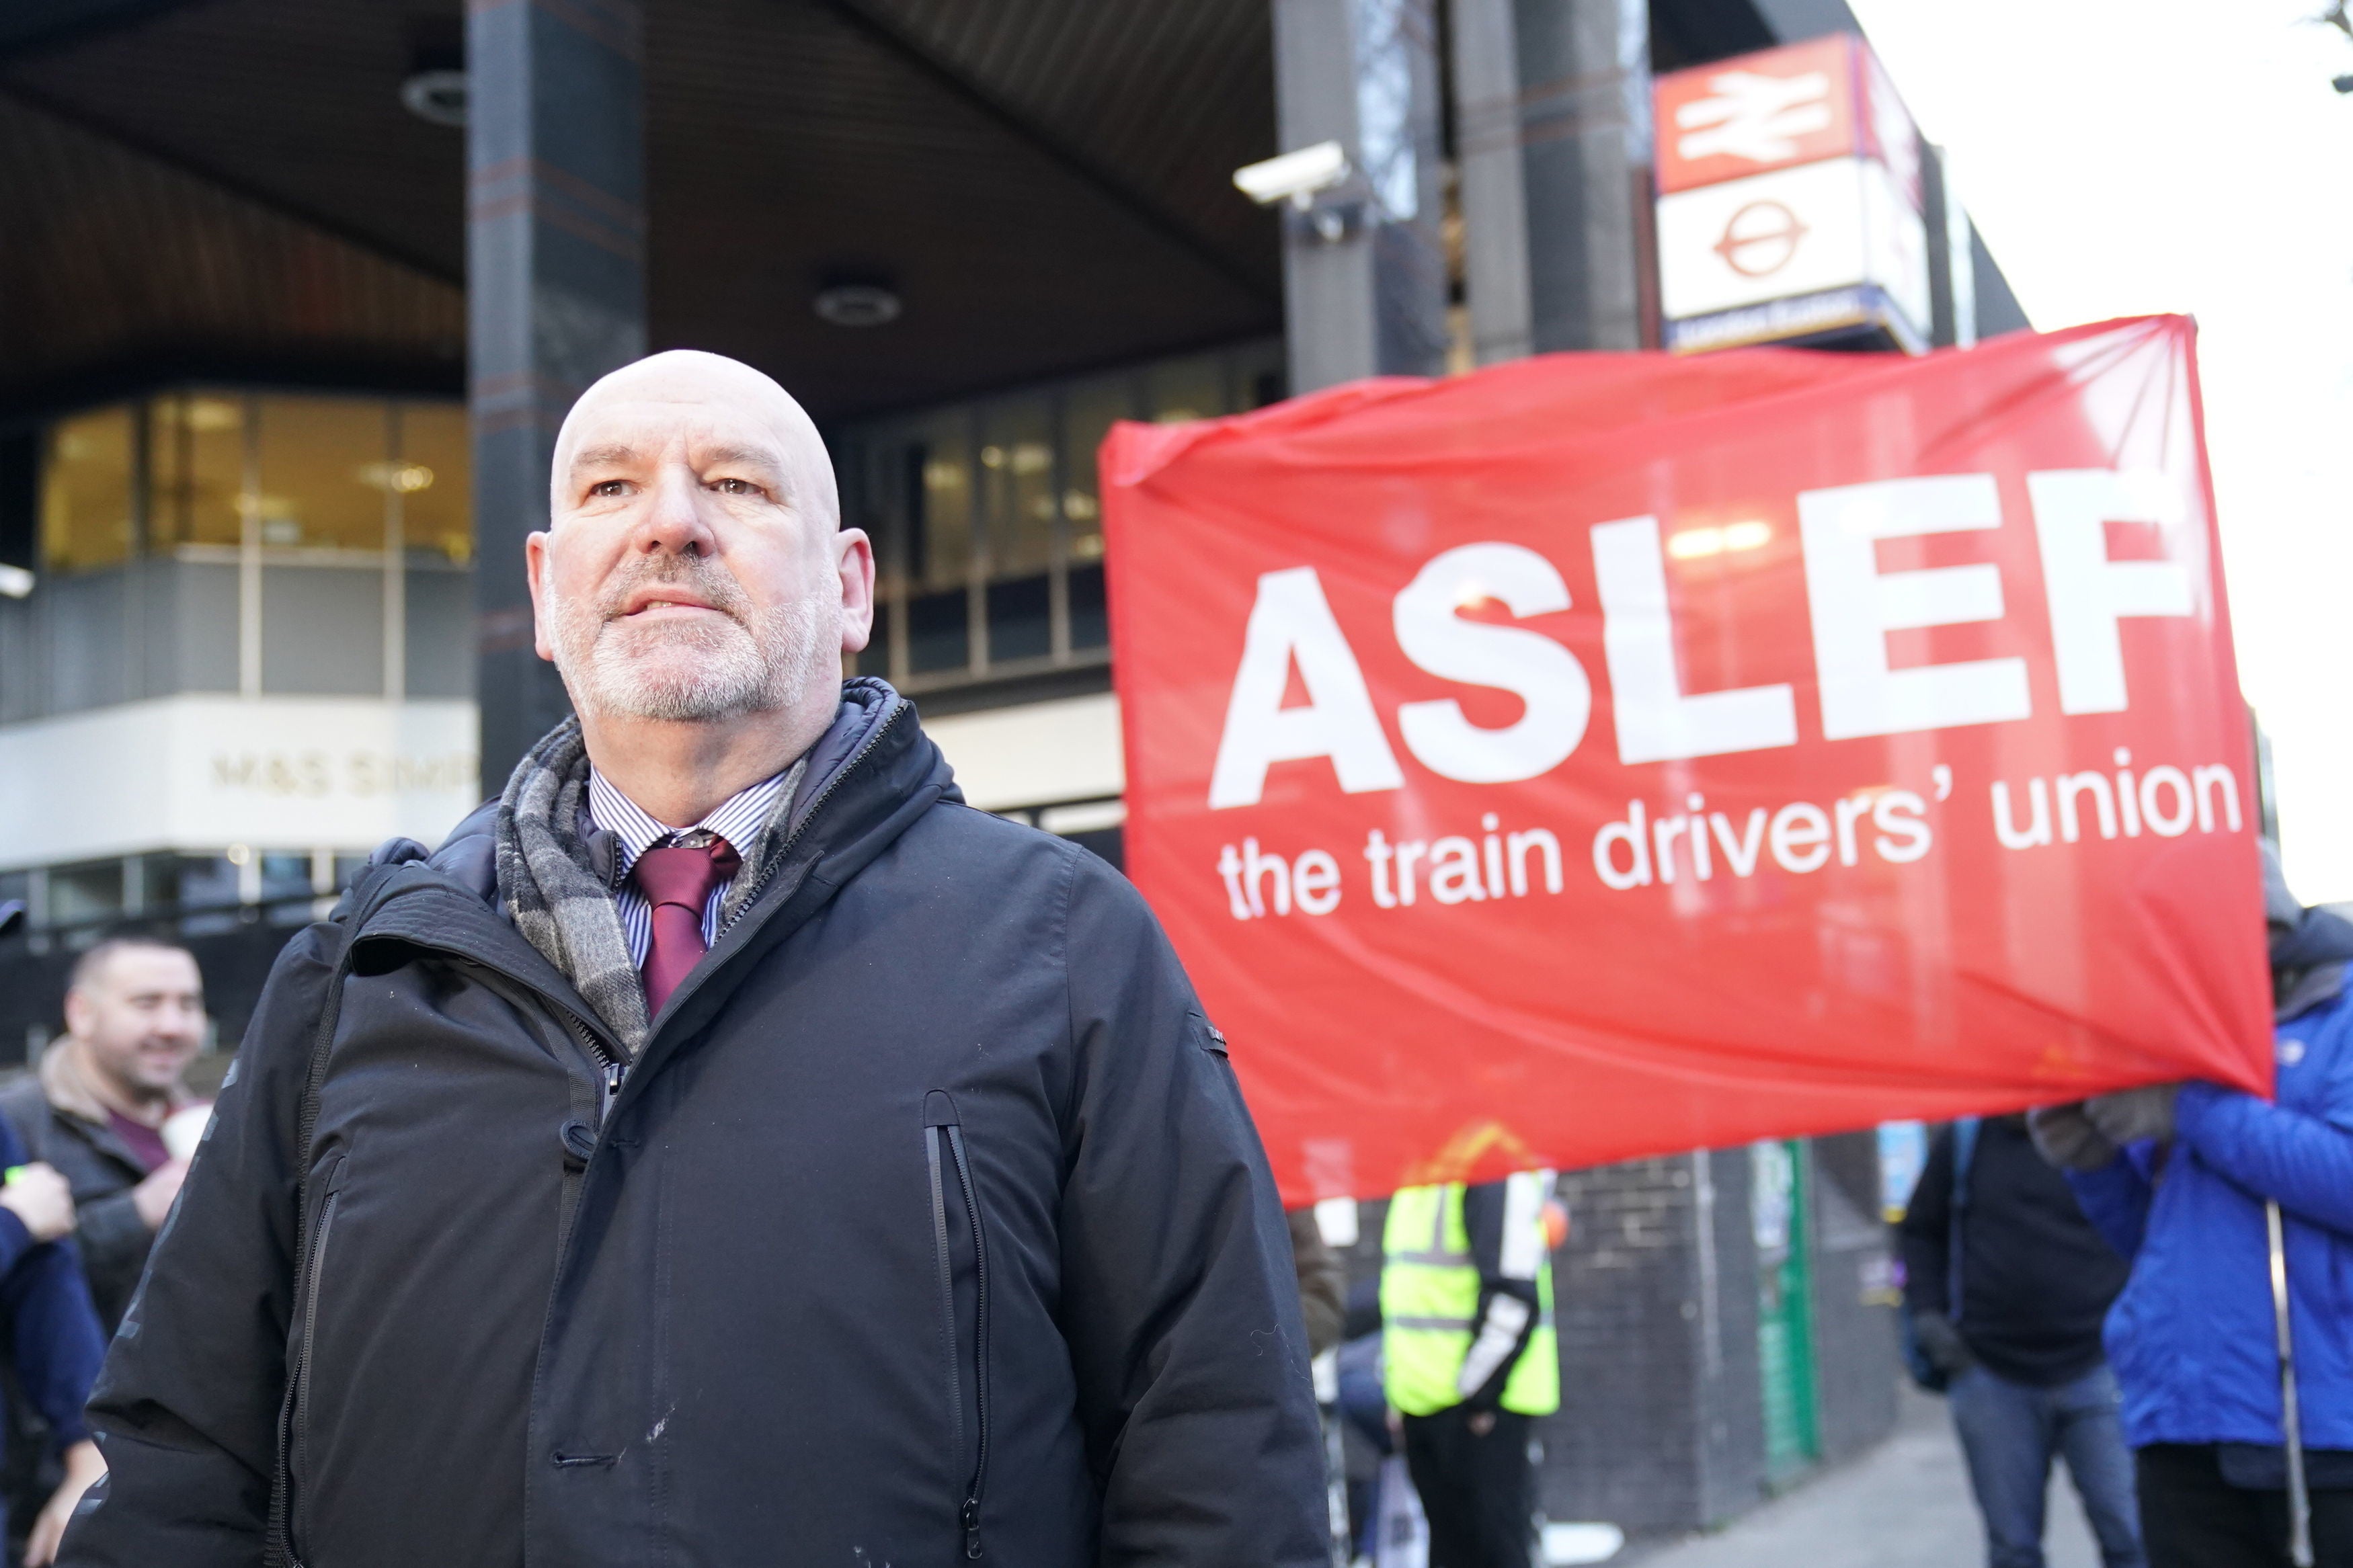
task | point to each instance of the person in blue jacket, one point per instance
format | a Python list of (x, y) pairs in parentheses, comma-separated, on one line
[(55, 1345), (2177, 1179)]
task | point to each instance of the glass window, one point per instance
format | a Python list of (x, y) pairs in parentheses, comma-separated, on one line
[(196, 458), (200, 882), (1189, 389), (1088, 414), (433, 475), (875, 499), (1020, 618), (86, 492), (285, 875), (325, 471), (286, 886), (1009, 487), (1089, 619), (937, 636), (937, 473), (890, 612), (1016, 460), (1259, 377), (87, 892), (891, 497)]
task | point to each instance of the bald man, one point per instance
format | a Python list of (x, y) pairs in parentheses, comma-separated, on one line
[(727, 1148)]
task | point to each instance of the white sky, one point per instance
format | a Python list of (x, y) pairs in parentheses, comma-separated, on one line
[(2123, 158)]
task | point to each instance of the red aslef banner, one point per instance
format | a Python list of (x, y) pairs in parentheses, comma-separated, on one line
[(1606, 755)]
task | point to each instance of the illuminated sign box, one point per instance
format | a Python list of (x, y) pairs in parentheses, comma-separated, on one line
[(1790, 203)]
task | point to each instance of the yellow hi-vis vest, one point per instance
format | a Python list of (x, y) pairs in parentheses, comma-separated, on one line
[(1430, 1294)]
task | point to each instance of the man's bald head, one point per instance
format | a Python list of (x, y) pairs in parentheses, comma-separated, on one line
[(695, 570), (689, 385)]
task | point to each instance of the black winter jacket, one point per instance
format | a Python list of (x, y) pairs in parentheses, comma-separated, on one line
[(929, 1226), (113, 1239), (2036, 1278)]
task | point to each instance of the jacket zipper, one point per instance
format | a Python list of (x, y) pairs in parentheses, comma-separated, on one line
[(300, 1380), (932, 1139), (970, 1514), (611, 1067), (776, 861)]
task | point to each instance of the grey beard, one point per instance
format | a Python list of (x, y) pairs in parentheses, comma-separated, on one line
[(694, 674)]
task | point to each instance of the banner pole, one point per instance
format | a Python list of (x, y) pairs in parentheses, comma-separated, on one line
[(2299, 1497)]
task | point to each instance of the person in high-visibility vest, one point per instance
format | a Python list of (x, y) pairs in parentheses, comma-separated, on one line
[(1469, 1357)]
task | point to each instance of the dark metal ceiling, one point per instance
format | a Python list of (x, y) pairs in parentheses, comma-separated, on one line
[(1028, 229), (1045, 181), (118, 269)]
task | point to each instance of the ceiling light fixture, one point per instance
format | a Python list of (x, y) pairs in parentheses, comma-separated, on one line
[(857, 304), (437, 97)]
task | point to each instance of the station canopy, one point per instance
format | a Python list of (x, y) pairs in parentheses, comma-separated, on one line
[(236, 187)]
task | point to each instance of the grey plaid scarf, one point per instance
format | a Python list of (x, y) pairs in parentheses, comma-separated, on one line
[(561, 902)]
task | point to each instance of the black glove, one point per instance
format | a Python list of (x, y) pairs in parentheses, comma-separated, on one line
[(1942, 1343), (2065, 1137), (2132, 1115)]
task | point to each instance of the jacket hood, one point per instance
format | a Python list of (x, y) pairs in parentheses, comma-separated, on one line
[(2308, 959)]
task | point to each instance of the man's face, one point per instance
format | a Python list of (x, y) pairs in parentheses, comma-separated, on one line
[(141, 1018), (692, 569)]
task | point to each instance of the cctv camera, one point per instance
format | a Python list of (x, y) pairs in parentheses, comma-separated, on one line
[(1294, 178)]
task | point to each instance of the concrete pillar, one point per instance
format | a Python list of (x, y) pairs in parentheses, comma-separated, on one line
[(1553, 142), (554, 297), (1365, 273)]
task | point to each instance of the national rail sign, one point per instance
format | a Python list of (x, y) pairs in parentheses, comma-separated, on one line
[(1790, 200)]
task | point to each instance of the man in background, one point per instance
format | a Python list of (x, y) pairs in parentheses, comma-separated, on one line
[(1471, 1358), (2008, 1284), (135, 1019), (94, 1113)]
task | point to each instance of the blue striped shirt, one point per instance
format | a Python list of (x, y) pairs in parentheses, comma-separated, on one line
[(738, 820)]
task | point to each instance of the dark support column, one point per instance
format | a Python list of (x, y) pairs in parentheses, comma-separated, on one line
[(555, 296), (1364, 293), (1553, 123), (1952, 273), (1492, 179)]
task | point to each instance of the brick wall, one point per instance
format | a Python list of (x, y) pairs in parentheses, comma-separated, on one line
[(1855, 1325), (1732, 1421), (1660, 1425), (1633, 1383)]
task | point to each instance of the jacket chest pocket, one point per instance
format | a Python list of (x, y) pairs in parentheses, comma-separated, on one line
[(960, 1246)]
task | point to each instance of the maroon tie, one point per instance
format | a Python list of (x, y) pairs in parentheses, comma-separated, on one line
[(677, 881)]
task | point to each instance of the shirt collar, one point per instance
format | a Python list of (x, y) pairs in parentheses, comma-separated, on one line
[(738, 819)]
